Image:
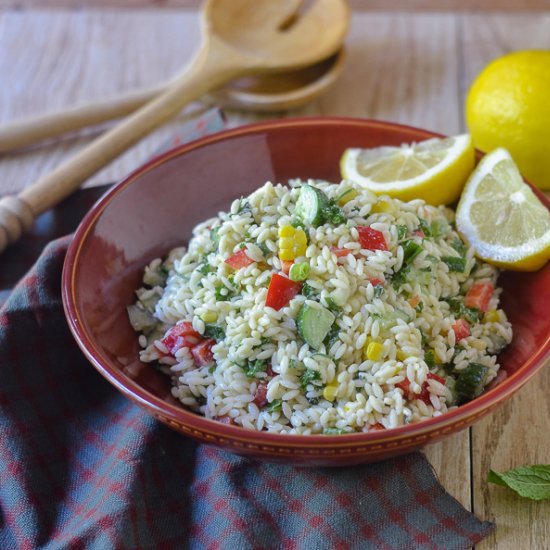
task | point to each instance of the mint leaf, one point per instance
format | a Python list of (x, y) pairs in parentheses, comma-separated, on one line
[(527, 481)]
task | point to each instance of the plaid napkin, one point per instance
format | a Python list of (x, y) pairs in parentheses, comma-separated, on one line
[(82, 467)]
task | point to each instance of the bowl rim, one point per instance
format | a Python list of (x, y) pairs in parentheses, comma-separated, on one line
[(182, 416)]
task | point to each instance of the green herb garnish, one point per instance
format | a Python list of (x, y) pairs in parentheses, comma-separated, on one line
[(459, 246), (429, 358), (308, 377), (410, 251), (214, 331), (275, 406), (456, 264), (251, 368), (378, 290), (527, 481), (308, 291), (401, 232)]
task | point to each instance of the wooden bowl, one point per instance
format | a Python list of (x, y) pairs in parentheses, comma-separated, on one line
[(155, 208)]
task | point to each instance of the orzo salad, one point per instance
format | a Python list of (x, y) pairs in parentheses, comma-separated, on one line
[(319, 308)]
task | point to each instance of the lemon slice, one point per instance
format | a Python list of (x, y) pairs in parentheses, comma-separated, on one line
[(434, 170), (501, 218)]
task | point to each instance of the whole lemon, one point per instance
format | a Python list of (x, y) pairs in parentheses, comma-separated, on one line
[(508, 105)]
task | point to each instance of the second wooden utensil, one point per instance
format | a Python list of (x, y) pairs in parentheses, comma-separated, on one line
[(241, 37)]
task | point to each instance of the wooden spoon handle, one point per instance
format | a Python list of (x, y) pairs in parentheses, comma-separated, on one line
[(31, 130), (211, 68)]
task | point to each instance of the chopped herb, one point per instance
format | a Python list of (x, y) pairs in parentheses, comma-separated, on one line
[(264, 248), (332, 336), (438, 228), (459, 310), (432, 258), (424, 338), (200, 399), (425, 227), (456, 264), (335, 431), (459, 246), (400, 277), (429, 358), (332, 305), (215, 237), (410, 251), (275, 406), (312, 400), (214, 331), (244, 207), (223, 294), (251, 368), (163, 270), (309, 377), (334, 214), (420, 307), (308, 291), (401, 232), (378, 290), (205, 268)]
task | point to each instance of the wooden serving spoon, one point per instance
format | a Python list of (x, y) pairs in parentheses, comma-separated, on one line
[(241, 37), (259, 93)]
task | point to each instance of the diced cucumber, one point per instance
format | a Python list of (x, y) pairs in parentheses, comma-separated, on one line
[(311, 206), (141, 319), (314, 323), (471, 381)]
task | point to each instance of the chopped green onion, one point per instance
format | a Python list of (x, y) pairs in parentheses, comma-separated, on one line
[(455, 263), (438, 228), (429, 358), (251, 368), (401, 232), (410, 251), (378, 290), (274, 406), (299, 272), (459, 246)]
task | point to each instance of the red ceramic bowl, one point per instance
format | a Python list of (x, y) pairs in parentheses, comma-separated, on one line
[(155, 208)]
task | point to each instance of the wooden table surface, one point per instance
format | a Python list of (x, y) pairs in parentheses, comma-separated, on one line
[(409, 67)]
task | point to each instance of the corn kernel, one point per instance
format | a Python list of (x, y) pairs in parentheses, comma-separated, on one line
[(300, 237), (301, 250), (374, 351), (287, 254), (491, 316), (401, 355), (286, 231), (382, 207), (286, 243), (209, 317), (329, 393), (347, 196)]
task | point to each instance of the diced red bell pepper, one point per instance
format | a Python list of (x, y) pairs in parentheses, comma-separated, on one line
[(340, 252), (419, 233), (239, 260), (280, 291), (440, 379), (414, 300), (375, 281), (180, 336), (286, 265), (424, 394), (461, 329), (376, 427), (404, 385), (202, 352), (371, 239), (479, 295), (260, 397)]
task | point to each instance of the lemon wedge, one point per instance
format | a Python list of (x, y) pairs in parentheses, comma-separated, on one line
[(434, 170), (501, 218)]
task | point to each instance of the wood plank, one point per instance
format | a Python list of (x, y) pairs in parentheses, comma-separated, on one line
[(368, 5), (516, 434)]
